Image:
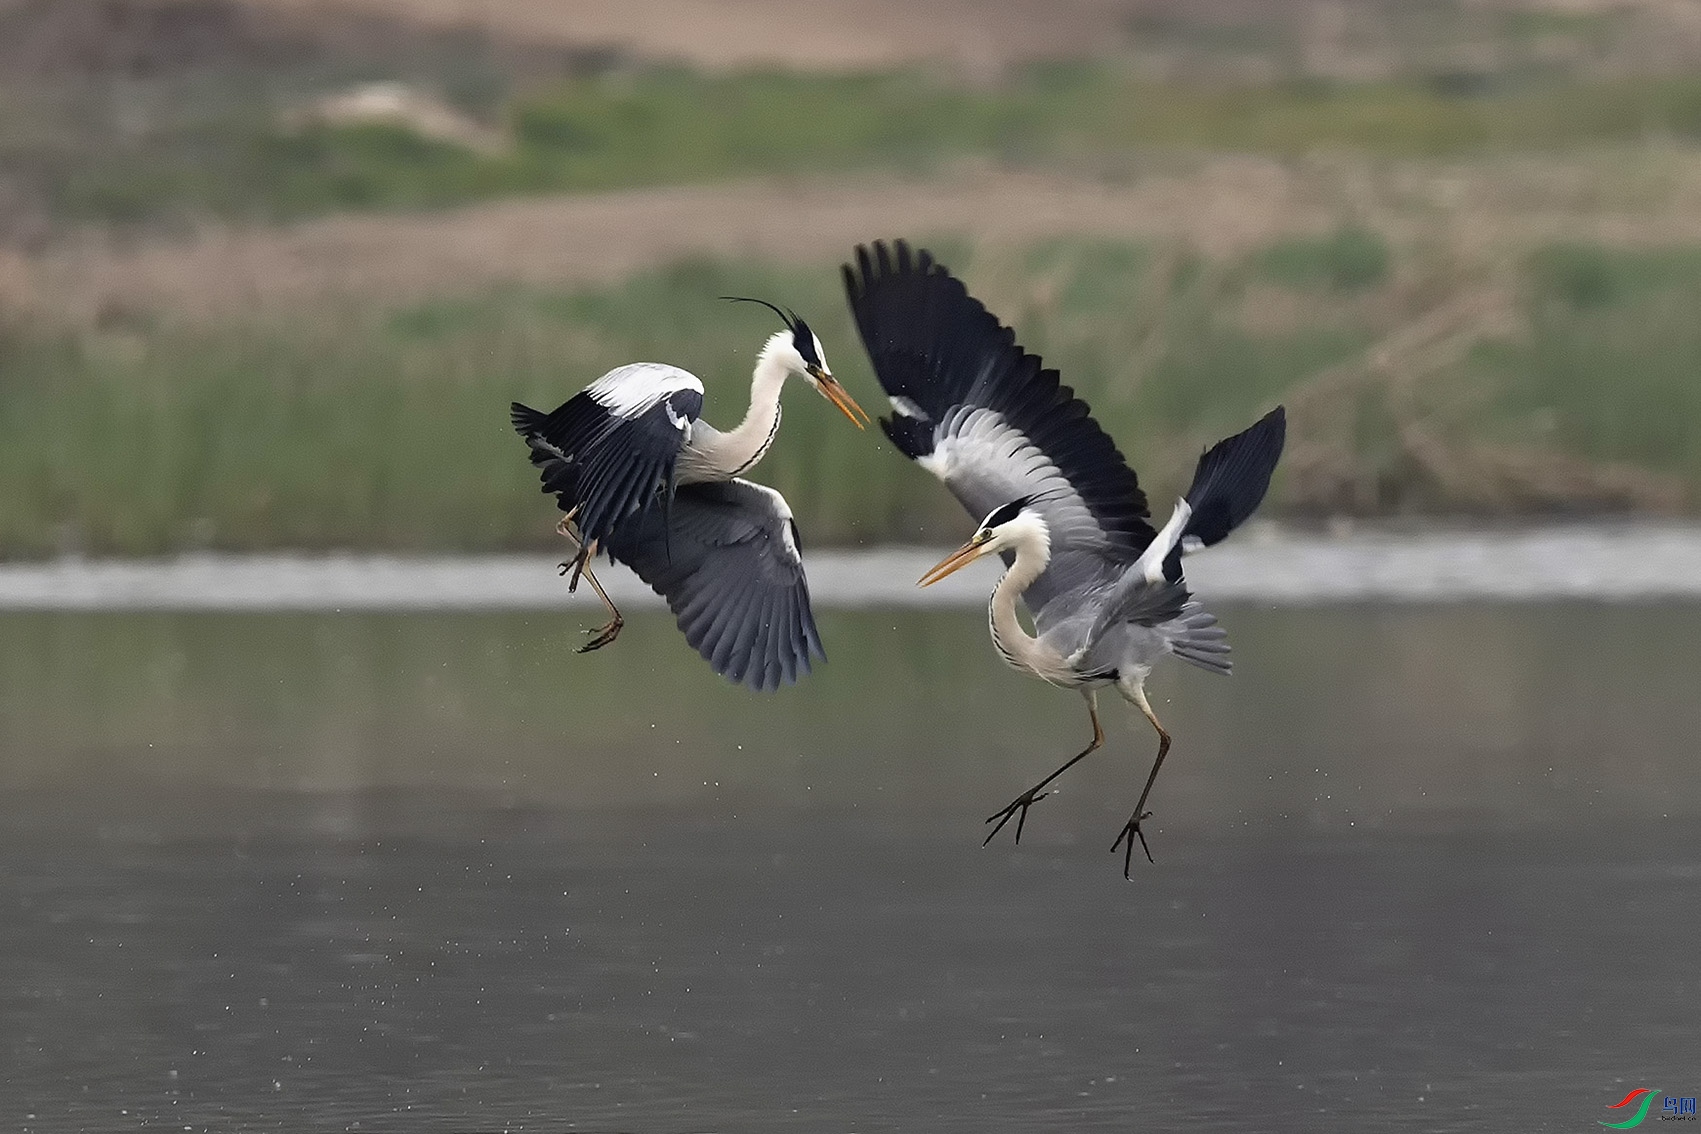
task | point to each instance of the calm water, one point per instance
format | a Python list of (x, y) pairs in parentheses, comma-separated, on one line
[(1419, 869)]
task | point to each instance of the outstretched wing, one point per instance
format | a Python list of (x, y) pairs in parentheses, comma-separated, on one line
[(726, 558), (1229, 482), (610, 449), (983, 415)]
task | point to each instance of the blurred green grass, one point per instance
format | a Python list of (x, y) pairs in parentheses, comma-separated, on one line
[(662, 126), (1613, 366), (389, 430), (1347, 260)]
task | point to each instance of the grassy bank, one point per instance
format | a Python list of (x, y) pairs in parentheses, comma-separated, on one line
[(1566, 383), (659, 127)]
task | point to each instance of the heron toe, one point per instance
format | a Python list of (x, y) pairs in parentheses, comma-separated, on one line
[(1022, 803), (603, 636), (1131, 831)]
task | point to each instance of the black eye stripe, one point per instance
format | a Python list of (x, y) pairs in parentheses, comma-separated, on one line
[(1004, 513), (804, 340)]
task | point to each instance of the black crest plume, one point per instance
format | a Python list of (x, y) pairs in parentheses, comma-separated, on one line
[(801, 335), (791, 320)]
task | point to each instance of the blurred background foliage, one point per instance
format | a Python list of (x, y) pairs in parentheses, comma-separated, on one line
[(1431, 368)]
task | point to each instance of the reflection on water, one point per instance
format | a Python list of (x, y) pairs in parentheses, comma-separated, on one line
[(1426, 869)]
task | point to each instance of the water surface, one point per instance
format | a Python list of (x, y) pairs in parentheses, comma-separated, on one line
[(1432, 868), (1642, 561)]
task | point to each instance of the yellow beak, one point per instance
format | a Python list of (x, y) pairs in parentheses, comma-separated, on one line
[(839, 396), (953, 563)]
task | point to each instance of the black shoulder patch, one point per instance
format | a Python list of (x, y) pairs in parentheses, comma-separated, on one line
[(687, 404)]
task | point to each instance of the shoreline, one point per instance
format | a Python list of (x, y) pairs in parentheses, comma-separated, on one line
[(1621, 561)]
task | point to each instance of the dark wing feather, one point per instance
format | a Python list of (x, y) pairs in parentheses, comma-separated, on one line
[(726, 560), (610, 450), (1229, 483), (986, 417), (1232, 476)]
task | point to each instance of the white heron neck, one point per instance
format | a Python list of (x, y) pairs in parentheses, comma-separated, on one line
[(1013, 642), (748, 442)]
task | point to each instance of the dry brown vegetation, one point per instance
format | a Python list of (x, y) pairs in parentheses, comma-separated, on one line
[(1434, 456), (1471, 215), (801, 34), (1346, 38), (1224, 207)]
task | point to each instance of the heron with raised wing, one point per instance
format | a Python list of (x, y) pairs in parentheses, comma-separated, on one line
[(644, 480), (1054, 497)]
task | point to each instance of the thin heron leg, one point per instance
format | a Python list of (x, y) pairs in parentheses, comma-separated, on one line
[(1132, 831), (609, 632), (567, 530), (579, 565), (1034, 794)]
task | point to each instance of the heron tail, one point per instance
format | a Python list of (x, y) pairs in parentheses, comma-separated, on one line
[(568, 427), (527, 421), (556, 473), (1195, 637)]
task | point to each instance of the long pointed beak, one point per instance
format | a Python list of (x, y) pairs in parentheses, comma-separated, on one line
[(839, 396), (952, 563)]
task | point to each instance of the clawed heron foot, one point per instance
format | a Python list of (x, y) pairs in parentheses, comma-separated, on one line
[(579, 568), (1130, 832), (576, 566), (1021, 804), (602, 635)]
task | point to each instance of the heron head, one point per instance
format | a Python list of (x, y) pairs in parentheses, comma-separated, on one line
[(799, 350), (1005, 527)]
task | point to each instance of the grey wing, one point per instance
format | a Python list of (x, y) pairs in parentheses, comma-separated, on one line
[(726, 559), (610, 450), (976, 410)]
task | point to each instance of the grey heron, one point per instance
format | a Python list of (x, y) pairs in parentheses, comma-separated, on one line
[(1054, 498), (644, 480)]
